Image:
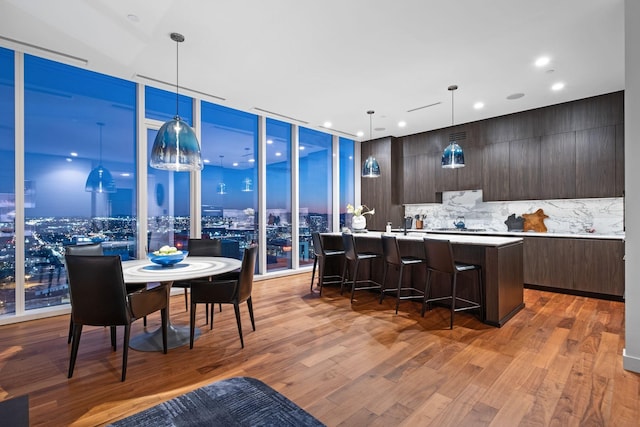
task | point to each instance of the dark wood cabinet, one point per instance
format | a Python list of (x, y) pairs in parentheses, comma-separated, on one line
[(587, 266), (495, 172), (524, 169), (558, 166), (596, 162), (418, 182), (470, 176)]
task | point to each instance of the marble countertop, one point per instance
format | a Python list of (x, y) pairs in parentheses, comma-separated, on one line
[(455, 238), (519, 234)]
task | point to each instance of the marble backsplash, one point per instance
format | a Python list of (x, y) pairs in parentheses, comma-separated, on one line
[(575, 216)]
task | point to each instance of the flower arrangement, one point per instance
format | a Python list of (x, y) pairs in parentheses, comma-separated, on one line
[(360, 210), (249, 211)]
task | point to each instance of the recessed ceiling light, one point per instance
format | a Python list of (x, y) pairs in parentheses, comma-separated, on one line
[(74, 154), (478, 105), (359, 134), (125, 174), (515, 96), (402, 124), (542, 61), (557, 86), (327, 124)]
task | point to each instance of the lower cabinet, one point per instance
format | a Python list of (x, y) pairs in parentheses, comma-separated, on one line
[(591, 266)]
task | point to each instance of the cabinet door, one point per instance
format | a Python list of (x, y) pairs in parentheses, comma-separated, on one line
[(599, 266), (595, 162), (558, 166), (444, 179), (524, 169), (409, 179), (495, 171), (548, 261), (470, 176)]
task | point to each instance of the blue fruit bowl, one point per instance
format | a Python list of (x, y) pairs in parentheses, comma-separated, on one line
[(168, 260)]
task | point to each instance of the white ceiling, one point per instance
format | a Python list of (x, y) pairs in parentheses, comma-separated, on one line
[(332, 60)]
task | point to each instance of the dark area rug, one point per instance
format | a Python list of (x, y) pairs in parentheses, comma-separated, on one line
[(240, 401)]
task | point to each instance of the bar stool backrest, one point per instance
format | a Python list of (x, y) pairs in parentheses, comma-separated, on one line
[(391, 250), (349, 244), (439, 255), (317, 244)]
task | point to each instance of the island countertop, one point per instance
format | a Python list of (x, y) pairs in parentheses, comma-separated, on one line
[(455, 238)]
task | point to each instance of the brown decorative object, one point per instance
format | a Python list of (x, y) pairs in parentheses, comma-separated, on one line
[(535, 221)]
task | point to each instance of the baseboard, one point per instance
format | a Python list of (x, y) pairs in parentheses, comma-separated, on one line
[(630, 363)]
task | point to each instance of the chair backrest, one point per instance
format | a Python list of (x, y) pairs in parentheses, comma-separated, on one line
[(97, 288), (439, 255), (348, 241), (205, 247), (88, 249), (390, 250), (317, 244), (247, 268)]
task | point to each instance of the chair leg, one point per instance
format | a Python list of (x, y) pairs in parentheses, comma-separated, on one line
[(186, 303), (113, 337), (399, 288), (165, 321), (313, 273), (344, 275), (427, 293), (125, 350), (355, 279), (384, 281), (206, 313), (192, 323), (321, 274), (77, 331), (453, 298), (236, 308), (70, 330), (250, 305), (144, 321)]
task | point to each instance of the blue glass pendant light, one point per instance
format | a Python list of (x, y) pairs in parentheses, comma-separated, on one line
[(371, 168), (452, 157), (176, 147), (100, 179)]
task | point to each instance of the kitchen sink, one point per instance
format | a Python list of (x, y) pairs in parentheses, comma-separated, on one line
[(470, 230)]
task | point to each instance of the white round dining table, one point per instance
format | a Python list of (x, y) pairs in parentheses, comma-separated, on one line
[(145, 271)]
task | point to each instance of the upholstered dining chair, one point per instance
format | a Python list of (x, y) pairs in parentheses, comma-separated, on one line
[(99, 298), (320, 256), (199, 247), (226, 291)]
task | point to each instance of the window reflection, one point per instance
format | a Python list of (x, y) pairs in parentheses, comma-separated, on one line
[(63, 104)]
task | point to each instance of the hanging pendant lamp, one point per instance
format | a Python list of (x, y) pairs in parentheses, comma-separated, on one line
[(222, 187), (370, 168), (176, 147), (100, 179), (452, 157)]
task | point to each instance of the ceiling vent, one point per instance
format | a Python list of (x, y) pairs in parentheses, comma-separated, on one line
[(458, 136)]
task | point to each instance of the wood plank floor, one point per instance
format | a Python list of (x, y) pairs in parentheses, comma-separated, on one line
[(557, 362)]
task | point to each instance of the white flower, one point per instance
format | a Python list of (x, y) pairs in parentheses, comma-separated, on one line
[(249, 211), (359, 210)]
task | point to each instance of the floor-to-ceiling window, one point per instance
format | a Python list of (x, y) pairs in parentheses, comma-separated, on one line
[(79, 168), (7, 184), (229, 178), (315, 187), (278, 186), (347, 191), (168, 219)]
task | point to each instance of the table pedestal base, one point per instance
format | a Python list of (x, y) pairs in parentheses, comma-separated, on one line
[(177, 336)]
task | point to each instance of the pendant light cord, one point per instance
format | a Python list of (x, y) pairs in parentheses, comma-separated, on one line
[(370, 113), (177, 76), (100, 124)]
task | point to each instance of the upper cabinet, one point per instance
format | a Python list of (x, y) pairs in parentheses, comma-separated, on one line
[(569, 150)]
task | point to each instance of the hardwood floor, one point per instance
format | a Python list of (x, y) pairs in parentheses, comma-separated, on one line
[(557, 362)]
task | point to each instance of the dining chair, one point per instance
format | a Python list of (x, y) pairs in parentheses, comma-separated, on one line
[(99, 298), (199, 247), (439, 259), (320, 256), (226, 291), (354, 255), (393, 258)]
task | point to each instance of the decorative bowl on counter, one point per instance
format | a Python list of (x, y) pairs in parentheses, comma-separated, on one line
[(167, 259)]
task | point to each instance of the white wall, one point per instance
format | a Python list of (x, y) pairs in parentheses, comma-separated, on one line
[(631, 355)]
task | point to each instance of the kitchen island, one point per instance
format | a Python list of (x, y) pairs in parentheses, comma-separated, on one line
[(501, 259)]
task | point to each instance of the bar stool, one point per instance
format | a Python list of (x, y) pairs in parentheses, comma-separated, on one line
[(354, 256), (391, 253), (321, 254), (439, 258)]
